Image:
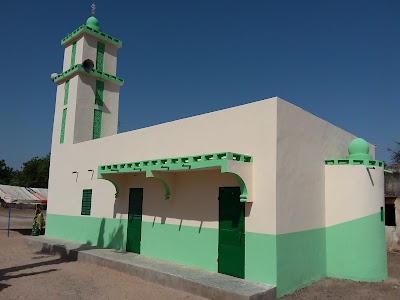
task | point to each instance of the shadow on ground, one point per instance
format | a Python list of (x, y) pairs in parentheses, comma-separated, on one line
[(5, 274), (62, 255), (59, 250)]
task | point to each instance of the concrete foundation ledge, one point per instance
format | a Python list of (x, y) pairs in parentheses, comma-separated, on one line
[(191, 280)]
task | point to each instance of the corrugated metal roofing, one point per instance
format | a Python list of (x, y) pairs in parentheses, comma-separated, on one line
[(18, 194)]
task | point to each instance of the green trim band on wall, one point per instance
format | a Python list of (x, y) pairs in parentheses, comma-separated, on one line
[(99, 96), (100, 56), (73, 55), (182, 163), (97, 74), (63, 121), (66, 91), (97, 120), (177, 163), (345, 161), (96, 33)]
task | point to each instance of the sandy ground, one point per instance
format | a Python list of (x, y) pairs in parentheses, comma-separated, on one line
[(28, 275), (25, 274)]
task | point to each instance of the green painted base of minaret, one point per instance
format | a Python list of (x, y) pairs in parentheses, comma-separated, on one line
[(357, 249), (353, 250)]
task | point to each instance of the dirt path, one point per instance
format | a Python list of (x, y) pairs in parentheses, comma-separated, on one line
[(28, 275)]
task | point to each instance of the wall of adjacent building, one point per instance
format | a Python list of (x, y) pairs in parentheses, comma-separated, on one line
[(392, 197), (393, 230)]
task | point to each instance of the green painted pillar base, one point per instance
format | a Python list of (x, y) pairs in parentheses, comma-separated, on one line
[(357, 249)]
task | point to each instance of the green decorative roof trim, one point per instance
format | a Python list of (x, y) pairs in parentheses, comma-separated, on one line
[(94, 32), (97, 74), (176, 164), (345, 161), (358, 155), (181, 163)]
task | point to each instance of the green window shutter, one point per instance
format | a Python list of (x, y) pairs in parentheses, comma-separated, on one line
[(64, 118), (73, 54), (66, 91), (99, 92), (100, 56), (97, 123), (86, 202)]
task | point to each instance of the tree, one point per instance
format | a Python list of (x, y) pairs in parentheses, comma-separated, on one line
[(395, 153), (6, 173), (34, 173)]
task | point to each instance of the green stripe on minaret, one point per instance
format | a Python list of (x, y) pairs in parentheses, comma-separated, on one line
[(73, 54), (97, 123), (64, 118), (100, 56), (99, 93), (66, 91)]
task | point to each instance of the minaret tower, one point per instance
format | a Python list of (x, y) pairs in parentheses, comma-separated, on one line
[(87, 89)]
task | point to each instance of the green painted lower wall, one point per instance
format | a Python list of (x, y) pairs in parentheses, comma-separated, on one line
[(357, 249), (188, 245), (301, 259), (354, 250), (261, 264), (102, 232)]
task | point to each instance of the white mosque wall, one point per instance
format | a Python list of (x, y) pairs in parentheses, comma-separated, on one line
[(304, 141), (247, 129)]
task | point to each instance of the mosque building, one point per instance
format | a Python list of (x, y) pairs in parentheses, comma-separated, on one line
[(264, 191)]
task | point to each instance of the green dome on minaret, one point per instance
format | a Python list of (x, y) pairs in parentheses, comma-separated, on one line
[(359, 149), (93, 23)]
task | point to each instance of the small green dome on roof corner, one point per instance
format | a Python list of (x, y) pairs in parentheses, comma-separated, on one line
[(359, 149), (93, 23)]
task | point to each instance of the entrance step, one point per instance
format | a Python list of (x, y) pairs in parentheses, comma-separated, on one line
[(188, 279)]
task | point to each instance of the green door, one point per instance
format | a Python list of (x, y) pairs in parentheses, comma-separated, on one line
[(134, 235), (231, 242)]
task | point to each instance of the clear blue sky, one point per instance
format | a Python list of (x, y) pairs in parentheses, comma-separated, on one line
[(336, 59)]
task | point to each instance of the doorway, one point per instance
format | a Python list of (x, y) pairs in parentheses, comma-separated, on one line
[(231, 241), (134, 234)]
